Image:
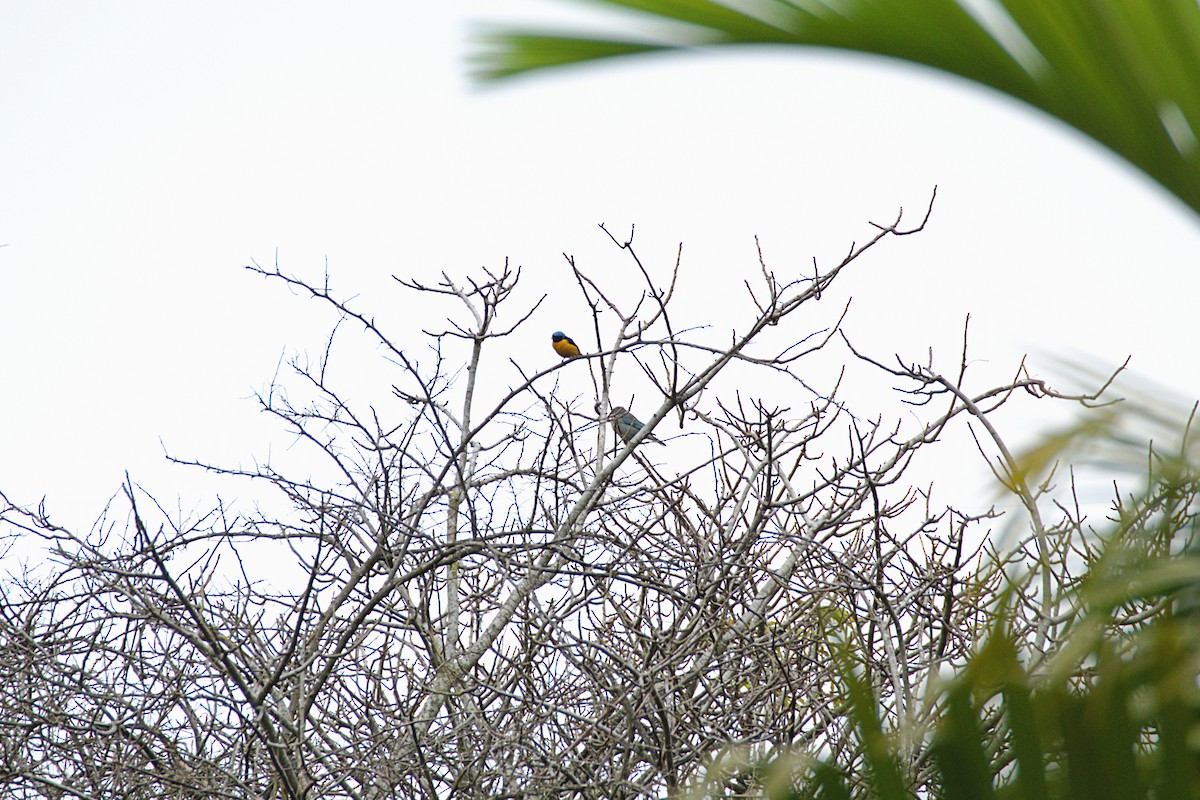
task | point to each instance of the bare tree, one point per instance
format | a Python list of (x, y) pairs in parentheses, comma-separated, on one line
[(498, 597)]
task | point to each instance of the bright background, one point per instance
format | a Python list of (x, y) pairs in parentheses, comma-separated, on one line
[(150, 150)]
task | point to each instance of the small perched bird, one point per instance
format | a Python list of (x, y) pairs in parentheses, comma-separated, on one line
[(627, 425), (564, 345)]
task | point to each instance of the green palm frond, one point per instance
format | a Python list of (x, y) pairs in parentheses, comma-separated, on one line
[(1151, 435), (1124, 72)]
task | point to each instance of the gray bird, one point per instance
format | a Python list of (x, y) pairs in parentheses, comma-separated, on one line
[(627, 425)]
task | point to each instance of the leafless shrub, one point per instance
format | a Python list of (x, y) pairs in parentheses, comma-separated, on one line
[(497, 600)]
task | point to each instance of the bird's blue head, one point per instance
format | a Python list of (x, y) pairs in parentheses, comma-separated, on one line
[(557, 336)]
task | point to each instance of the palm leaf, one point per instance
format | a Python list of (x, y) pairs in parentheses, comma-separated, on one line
[(1124, 72)]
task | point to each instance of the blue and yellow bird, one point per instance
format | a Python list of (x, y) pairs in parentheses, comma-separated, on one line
[(627, 425), (564, 345)]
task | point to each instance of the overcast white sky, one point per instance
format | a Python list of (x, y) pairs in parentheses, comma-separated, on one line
[(149, 150)]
